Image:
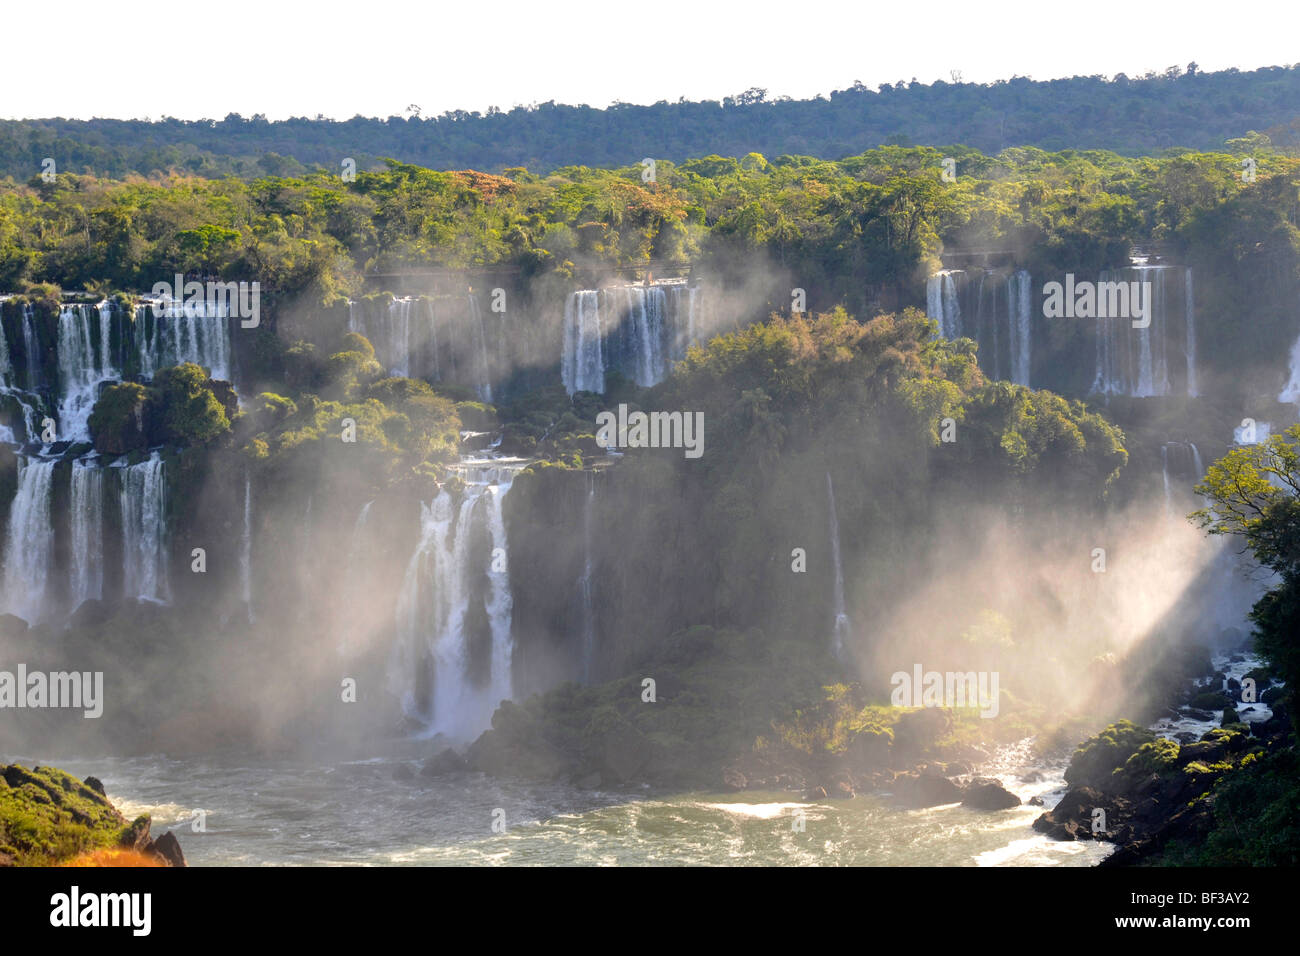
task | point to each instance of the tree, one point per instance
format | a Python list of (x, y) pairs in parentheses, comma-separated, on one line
[(1253, 494)]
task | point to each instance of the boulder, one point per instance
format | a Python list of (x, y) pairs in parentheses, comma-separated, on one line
[(168, 848), (446, 761), (925, 789), (983, 794)]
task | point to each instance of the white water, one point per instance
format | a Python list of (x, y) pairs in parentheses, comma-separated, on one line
[(1019, 304), (143, 501), (428, 671), (1189, 322), (83, 365), (196, 332), (999, 317), (484, 386), (87, 533), (7, 387), (29, 542), (843, 626), (582, 366), (637, 330)]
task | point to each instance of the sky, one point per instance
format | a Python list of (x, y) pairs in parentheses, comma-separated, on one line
[(149, 59)]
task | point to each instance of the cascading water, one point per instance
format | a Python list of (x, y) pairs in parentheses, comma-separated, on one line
[(484, 386), (582, 366), (942, 302), (1189, 323), (430, 670), (143, 501), (29, 542), (87, 533), (1134, 361), (83, 365), (843, 626), (1019, 305), (638, 331), (996, 311), (7, 387), (30, 348), (168, 334)]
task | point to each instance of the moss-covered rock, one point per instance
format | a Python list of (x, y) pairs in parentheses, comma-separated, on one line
[(48, 816)]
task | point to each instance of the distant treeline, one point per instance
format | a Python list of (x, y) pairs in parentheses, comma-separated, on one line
[(1181, 108)]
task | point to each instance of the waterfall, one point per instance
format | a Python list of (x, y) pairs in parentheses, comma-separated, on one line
[(645, 310), (29, 542), (1134, 361), (637, 330), (843, 627), (429, 670), (1189, 323), (246, 549), (197, 332), (582, 367), (1019, 305), (7, 387), (484, 386), (29, 348), (82, 366), (87, 533), (398, 351), (942, 303), (585, 584), (143, 500), (997, 312)]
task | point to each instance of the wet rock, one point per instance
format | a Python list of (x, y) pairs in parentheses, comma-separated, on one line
[(168, 848), (984, 794), (926, 789), (446, 761), (1035, 801)]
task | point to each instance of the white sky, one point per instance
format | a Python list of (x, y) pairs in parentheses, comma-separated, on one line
[(150, 58)]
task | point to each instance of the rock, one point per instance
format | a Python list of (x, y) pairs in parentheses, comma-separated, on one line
[(918, 729), (1034, 776), (136, 836), (94, 784), (989, 795), (591, 781), (733, 779), (446, 761), (1035, 801), (1071, 819), (926, 789), (814, 793), (403, 772), (168, 848)]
